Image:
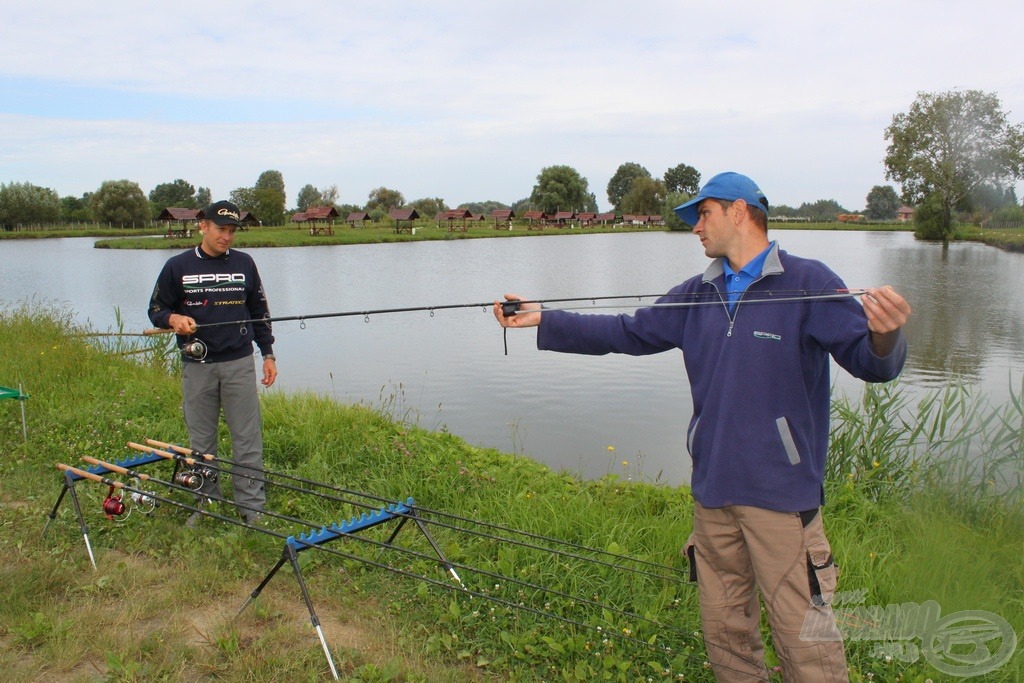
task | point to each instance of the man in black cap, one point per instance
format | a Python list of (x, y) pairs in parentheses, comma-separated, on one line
[(197, 289)]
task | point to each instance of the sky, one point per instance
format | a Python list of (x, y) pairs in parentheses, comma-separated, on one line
[(469, 101)]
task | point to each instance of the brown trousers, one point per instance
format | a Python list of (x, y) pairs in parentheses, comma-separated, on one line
[(741, 550)]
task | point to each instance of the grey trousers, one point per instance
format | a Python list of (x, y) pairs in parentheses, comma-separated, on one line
[(231, 386)]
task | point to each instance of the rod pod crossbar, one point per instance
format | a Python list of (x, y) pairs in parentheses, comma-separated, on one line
[(70, 477), (318, 539)]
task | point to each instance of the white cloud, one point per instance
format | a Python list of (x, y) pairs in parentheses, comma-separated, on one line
[(468, 101)]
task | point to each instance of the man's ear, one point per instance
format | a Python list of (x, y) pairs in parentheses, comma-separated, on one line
[(741, 206)]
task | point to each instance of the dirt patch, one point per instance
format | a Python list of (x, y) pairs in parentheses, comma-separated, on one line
[(205, 622)]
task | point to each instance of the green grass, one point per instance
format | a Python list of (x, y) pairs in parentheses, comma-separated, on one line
[(905, 523), (288, 236)]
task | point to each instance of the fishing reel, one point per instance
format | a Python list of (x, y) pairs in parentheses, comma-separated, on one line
[(113, 505), (115, 509), (195, 349), (143, 502), (194, 477)]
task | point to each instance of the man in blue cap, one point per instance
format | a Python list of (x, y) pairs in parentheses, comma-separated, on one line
[(758, 437)]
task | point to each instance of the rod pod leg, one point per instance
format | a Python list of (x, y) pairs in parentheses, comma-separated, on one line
[(56, 506), (293, 557), (259, 589), (81, 520)]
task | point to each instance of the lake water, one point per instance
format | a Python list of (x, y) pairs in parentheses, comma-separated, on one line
[(585, 414)]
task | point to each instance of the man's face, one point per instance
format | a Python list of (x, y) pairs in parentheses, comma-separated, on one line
[(715, 227), (217, 239)]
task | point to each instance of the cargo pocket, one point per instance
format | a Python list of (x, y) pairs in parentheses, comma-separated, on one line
[(823, 575), (689, 551)]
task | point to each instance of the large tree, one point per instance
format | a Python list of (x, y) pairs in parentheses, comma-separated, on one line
[(269, 197), (622, 182), (950, 143), (308, 196), (683, 179), (384, 199), (203, 197), (121, 202), (178, 193), (882, 203), (26, 204), (329, 195), (244, 198), (75, 208), (672, 200), (271, 180), (646, 196), (268, 206), (428, 207), (562, 188)]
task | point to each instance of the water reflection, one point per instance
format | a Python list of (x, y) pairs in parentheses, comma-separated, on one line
[(968, 312)]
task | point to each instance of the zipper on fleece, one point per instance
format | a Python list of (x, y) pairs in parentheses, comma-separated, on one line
[(725, 302)]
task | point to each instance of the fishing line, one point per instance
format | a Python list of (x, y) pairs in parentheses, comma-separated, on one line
[(719, 300)]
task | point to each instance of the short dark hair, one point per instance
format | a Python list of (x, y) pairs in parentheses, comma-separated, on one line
[(759, 217)]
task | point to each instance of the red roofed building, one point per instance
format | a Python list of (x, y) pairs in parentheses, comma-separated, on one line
[(403, 219), (357, 217), (452, 215)]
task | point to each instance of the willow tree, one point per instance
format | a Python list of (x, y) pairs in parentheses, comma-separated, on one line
[(948, 145)]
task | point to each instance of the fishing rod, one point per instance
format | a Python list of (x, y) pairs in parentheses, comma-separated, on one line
[(660, 574), (510, 308), (623, 634)]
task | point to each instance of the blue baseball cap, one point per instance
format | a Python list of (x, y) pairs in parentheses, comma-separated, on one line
[(730, 186)]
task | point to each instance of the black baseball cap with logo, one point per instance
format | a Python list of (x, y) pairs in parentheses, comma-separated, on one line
[(222, 213)]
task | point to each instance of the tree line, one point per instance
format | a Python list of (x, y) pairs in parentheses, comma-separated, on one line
[(955, 156)]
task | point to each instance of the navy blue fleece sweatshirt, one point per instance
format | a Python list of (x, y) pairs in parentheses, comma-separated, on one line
[(759, 378), (214, 289)]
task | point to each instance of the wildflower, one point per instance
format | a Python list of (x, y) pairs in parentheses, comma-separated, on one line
[(876, 464), (611, 448), (625, 463)]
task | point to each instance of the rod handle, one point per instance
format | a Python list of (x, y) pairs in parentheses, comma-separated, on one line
[(88, 475), (153, 331), (181, 450), (150, 449)]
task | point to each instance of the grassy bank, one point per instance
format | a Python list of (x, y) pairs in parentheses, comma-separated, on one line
[(905, 525), (289, 236)]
